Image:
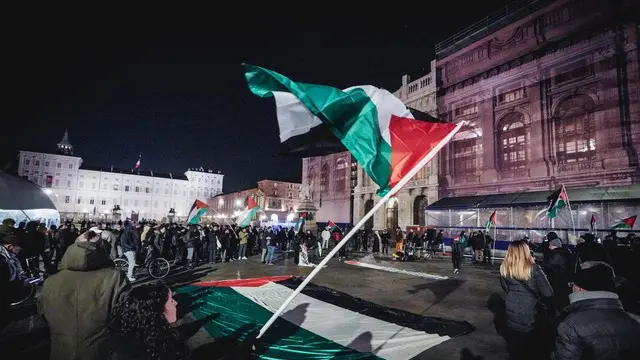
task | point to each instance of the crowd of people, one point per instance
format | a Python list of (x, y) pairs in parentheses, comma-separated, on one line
[(566, 305)]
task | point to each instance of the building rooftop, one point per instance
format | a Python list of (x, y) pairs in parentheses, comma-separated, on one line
[(141, 172), (489, 25)]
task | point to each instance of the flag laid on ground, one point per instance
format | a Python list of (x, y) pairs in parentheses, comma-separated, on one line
[(245, 217), (490, 223), (373, 124), (137, 166), (197, 210), (558, 200), (592, 224), (300, 222), (321, 324), (625, 223)]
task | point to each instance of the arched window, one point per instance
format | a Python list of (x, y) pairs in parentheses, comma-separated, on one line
[(324, 179), (340, 182), (575, 130), (419, 204), (512, 140), (467, 151)]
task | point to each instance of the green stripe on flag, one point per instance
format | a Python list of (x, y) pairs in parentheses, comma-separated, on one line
[(350, 115), (236, 319)]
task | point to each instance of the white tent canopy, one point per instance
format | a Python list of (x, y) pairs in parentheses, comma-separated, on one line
[(22, 200)]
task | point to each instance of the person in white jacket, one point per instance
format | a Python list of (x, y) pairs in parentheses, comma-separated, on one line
[(326, 235)]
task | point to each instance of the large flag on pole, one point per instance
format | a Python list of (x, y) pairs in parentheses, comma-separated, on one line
[(245, 217), (491, 222), (374, 125), (558, 200), (321, 324), (197, 210), (625, 223)]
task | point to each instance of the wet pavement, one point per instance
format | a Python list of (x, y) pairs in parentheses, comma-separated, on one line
[(473, 295)]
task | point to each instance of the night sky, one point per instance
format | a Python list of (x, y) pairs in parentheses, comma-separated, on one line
[(171, 87)]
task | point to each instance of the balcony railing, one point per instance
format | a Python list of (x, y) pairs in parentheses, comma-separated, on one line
[(489, 25), (580, 166)]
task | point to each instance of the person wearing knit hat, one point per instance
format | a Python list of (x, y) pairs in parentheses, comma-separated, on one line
[(596, 325)]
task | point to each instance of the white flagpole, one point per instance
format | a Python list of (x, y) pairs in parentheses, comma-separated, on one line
[(361, 223), (495, 239)]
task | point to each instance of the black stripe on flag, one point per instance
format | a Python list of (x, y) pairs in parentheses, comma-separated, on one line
[(320, 140), (428, 324)]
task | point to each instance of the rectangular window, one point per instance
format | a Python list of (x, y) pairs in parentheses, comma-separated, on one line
[(67, 199), (49, 181)]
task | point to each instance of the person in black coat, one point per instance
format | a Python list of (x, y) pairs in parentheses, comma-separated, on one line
[(526, 291), (557, 267), (596, 326)]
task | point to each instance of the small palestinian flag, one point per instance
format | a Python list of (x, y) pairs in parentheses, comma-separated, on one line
[(374, 125), (137, 166), (247, 215), (490, 223), (558, 200), (592, 224), (332, 226), (320, 323), (625, 223), (197, 210), (300, 222)]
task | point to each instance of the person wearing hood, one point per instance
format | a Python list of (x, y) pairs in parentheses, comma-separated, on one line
[(557, 267), (77, 301)]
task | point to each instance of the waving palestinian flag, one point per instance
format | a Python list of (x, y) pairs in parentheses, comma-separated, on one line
[(625, 223), (321, 324), (197, 210), (375, 126)]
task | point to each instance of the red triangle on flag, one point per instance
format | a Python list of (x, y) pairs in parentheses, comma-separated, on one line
[(630, 221), (251, 203), (411, 141)]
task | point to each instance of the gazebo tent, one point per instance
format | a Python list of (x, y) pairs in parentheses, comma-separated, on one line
[(22, 200)]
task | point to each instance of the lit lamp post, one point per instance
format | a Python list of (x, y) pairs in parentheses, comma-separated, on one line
[(171, 215), (116, 213)]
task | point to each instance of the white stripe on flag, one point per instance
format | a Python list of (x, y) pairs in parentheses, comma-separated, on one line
[(342, 326)]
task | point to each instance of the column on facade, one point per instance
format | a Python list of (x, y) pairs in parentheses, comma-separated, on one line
[(536, 165), (359, 175), (405, 208), (357, 211), (488, 172)]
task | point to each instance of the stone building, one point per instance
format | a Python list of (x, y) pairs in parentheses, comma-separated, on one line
[(326, 180), (278, 199), (408, 207), (550, 91), (82, 191)]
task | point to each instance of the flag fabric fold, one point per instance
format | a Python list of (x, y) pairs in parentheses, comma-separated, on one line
[(375, 126), (491, 222), (320, 324), (625, 223), (198, 209), (246, 216), (301, 219), (558, 200)]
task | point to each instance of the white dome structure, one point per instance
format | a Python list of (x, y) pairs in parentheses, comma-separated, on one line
[(22, 200)]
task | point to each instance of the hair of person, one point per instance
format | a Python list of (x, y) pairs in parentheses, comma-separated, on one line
[(139, 319), (517, 264)]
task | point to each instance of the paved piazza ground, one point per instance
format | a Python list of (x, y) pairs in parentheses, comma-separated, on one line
[(473, 296), (470, 295)]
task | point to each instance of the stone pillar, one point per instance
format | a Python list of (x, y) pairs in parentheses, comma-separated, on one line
[(360, 178), (536, 164), (488, 172), (379, 218), (357, 201), (405, 209)]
